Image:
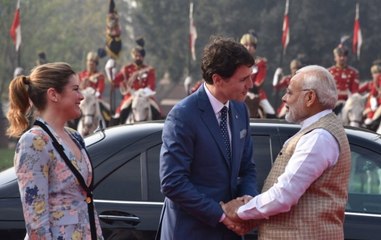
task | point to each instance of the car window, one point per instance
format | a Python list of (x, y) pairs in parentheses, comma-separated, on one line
[(365, 181), (153, 156), (124, 183), (262, 155)]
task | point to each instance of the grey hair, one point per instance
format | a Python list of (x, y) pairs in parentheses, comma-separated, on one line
[(322, 82)]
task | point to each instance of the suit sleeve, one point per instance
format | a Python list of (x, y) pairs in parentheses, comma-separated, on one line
[(247, 184), (175, 170)]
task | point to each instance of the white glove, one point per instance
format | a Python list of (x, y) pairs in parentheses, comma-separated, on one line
[(251, 95), (188, 80), (277, 74), (373, 103)]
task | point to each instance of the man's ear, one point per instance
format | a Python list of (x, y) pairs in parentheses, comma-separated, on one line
[(216, 79), (311, 98)]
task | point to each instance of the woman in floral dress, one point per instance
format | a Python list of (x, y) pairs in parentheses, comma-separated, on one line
[(53, 200)]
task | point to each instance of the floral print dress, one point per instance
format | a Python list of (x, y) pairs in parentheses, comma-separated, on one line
[(53, 201)]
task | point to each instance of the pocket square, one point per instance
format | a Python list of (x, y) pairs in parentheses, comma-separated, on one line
[(242, 133)]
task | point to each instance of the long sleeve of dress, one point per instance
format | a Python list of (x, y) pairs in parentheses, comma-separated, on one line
[(31, 166)]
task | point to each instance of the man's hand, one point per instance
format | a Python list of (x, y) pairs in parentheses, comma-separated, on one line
[(231, 208), (232, 220), (245, 198), (240, 228)]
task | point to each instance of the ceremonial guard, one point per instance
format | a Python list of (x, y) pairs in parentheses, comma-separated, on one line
[(373, 102), (283, 83), (365, 87), (91, 77), (135, 76), (346, 77), (258, 77)]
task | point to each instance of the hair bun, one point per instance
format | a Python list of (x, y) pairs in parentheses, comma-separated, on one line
[(26, 80)]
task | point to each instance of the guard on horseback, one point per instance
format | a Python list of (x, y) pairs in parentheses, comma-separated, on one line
[(346, 77), (257, 96), (91, 77), (373, 103), (132, 77)]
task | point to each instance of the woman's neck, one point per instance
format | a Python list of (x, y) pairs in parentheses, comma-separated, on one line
[(54, 122)]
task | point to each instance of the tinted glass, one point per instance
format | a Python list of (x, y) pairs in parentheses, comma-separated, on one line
[(124, 183), (153, 156), (365, 179), (262, 157)]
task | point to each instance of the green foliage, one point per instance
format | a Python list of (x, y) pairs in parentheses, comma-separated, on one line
[(6, 160)]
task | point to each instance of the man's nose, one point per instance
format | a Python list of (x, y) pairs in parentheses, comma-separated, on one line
[(250, 83)]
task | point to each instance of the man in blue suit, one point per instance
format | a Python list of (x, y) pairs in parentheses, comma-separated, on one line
[(198, 169)]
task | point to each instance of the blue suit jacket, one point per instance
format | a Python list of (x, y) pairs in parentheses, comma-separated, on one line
[(195, 172)]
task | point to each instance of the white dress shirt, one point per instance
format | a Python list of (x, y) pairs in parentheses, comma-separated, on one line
[(217, 106), (314, 153)]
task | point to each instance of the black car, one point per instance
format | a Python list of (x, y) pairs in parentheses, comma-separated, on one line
[(127, 186)]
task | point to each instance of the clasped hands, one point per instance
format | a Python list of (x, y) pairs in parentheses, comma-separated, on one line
[(232, 220)]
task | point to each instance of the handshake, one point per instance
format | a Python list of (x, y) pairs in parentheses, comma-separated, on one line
[(232, 220)]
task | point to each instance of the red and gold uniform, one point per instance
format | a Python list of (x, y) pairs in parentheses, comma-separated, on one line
[(283, 83), (374, 95), (133, 77), (249, 41), (95, 80), (91, 77), (365, 87), (347, 81), (259, 75)]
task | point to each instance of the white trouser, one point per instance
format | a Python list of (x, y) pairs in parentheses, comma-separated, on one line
[(266, 106)]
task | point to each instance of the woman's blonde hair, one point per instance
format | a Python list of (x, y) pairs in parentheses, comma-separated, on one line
[(27, 92)]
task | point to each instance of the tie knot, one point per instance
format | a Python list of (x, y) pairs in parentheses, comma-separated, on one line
[(223, 116), (223, 111)]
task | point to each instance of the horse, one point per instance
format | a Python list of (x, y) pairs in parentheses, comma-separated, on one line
[(352, 111), (94, 112), (143, 106)]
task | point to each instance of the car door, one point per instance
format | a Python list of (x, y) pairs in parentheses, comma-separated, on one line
[(363, 210), (268, 139), (128, 198)]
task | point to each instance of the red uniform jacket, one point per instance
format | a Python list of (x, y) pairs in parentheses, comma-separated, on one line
[(95, 80), (347, 80), (146, 78), (259, 75)]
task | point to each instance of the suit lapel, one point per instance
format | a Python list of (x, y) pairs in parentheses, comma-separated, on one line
[(210, 121), (235, 136)]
